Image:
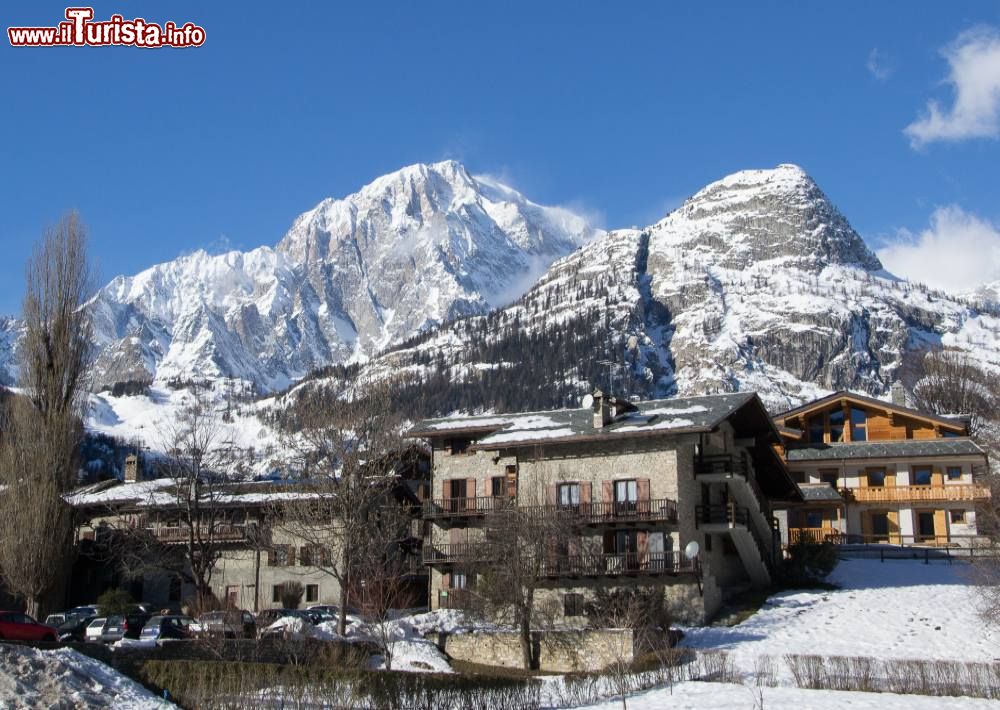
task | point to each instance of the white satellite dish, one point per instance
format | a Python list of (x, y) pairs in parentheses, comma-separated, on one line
[(588, 401), (692, 550)]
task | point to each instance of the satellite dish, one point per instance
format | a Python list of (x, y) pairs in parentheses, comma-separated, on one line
[(692, 550), (588, 401)]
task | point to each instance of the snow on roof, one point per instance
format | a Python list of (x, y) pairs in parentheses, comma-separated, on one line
[(161, 492), (652, 417)]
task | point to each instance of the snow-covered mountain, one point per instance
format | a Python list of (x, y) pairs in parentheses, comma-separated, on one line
[(755, 282), (413, 249)]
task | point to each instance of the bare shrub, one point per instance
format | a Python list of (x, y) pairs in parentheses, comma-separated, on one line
[(718, 667), (808, 671), (764, 671)]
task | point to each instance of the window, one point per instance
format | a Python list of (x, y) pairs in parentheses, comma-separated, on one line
[(276, 592), (496, 486), (459, 445), (880, 524), (925, 524), (958, 517), (837, 425), (922, 476), (280, 556), (814, 519), (876, 477), (314, 556), (816, 429), (312, 592), (859, 424), (954, 473), (626, 492), (569, 495), (573, 605), (829, 476), (459, 580)]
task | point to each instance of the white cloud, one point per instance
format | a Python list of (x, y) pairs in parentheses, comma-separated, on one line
[(879, 65), (959, 252), (974, 58)]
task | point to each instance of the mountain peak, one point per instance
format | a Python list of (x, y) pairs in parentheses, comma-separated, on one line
[(753, 216)]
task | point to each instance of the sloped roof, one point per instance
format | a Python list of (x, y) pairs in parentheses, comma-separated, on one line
[(651, 417), (820, 492), (953, 446), (823, 402)]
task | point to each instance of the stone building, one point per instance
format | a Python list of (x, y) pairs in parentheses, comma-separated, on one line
[(641, 481), (879, 472), (257, 557)]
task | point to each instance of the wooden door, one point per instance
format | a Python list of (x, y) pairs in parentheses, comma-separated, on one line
[(893, 517), (940, 527)]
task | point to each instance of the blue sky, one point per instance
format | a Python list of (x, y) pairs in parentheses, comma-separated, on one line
[(620, 109)]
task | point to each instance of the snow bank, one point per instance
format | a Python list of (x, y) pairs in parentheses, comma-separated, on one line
[(64, 678)]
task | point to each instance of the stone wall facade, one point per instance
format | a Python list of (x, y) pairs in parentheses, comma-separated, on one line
[(564, 651)]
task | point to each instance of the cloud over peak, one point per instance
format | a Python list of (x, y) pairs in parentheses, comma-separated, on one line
[(974, 60)]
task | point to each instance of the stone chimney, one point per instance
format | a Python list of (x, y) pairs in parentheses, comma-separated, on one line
[(133, 471), (602, 410), (898, 394)]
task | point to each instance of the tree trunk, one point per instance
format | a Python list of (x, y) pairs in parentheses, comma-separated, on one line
[(34, 607), (342, 619), (525, 633)]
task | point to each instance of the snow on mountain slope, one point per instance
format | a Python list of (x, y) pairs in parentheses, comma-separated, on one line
[(756, 282), (414, 249)]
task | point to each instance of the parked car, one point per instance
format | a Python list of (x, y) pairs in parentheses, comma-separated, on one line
[(268, 616), (85, 610), (74, 628), (55, 620), (233, 623), (95, 629), (15, 626), (171, 626), (322, 612), (124, 626)]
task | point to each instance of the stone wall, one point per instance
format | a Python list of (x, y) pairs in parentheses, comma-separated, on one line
[(556, 651)]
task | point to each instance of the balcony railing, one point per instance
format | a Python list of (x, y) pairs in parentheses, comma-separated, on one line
[(614, 565), (651, 511), (811, 535), (458, 552), (721, 464), (906, 494), (220, 532), (725, 514)]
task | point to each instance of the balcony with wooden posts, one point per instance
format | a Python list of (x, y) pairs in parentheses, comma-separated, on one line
[(812, 535), (219, 533), (720, 465), (655, 510), (632, 564), (916, 494), (726, 515)]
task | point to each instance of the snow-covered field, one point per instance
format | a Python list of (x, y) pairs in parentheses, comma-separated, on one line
[(899, 609), (64, 678)]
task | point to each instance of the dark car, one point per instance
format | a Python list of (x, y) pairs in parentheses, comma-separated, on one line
[(15, 626), (173, 626), (233, 623), (124, 626), (74, 628)]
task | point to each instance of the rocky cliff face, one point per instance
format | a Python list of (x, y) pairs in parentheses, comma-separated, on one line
[(414, 249), (756, 282)]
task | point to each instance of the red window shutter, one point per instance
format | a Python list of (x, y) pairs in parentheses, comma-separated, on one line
[(446, 580), (304, 556), (270, 558), (470, 488), (586, 493), (291, 556), (642, 486), (642, 542), (550, 494), (607, 491)]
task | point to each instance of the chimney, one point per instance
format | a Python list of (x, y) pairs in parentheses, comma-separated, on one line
[(898, 393), (132, 469), (602, 412)]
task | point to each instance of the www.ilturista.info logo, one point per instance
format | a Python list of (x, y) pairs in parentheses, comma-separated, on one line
[(79, 30)]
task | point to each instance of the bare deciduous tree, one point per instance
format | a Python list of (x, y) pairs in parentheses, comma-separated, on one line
[(523, 545), (347, 456), (41, 433)]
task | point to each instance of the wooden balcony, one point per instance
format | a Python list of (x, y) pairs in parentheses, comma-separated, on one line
[(917, 494), (812, 535), (221, 532), (455, 553), (618, 565), (656, 510), (721, 465), (729, 515)]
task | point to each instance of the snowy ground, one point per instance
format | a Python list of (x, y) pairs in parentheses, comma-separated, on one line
[(726, 696), (64, 678), (894, 610)]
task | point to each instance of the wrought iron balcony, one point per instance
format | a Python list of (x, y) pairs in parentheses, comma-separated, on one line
[(656, 510), (618, 565), (725, 514)]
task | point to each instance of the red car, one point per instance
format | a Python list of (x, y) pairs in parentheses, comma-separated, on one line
[(15, 626)]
